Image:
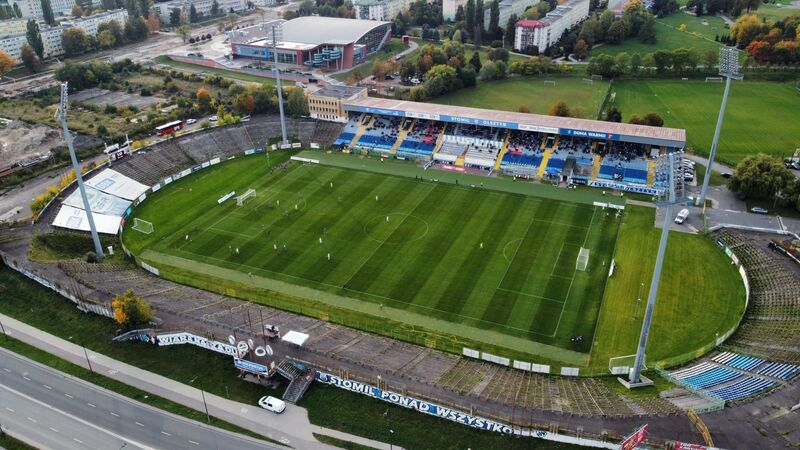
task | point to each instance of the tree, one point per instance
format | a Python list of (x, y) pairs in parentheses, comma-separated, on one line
[(296, 102), (469, 12), (745, 29), (559, 109), (74, 41), (244, 103), (379, 70), (475, 61), (34, 38), (621, 63), (581, 50), (488, 71), (636, 63), (494, 20), (613, 115), (116, 30), (653, 119), (7, 62), (135, 29), (760, 176), (108, 5), (203, 99), (175, 18), (456, 37), (144, 8), (498, 54), (47, 13), (28, 57), (133, 8), (193, 15), (510, 31), (105, 39), (615, 33), (153, 23), (77, 11), (356, 76), (215, 8), (183, 31), (647, 32), (479, 21), (130, 310)]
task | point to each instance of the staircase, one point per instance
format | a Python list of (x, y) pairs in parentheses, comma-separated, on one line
[(460, 161), (299, 376), (439, 141), (543, 165), (596, 167), (361, 129), (555, 142), (651, 172), (401, 136), (502, 152)]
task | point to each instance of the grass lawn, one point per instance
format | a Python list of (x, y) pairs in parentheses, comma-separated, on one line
[(392, 47), (716, 177), (699, 34), (9, 443), (509, 94), (700, 295), (482, 259), (775, 13), (162, 59), (760, 116)]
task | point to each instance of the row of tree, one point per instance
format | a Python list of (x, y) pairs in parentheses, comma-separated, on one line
[(769, 42), (765, 177), (326, 8), (661, 62)]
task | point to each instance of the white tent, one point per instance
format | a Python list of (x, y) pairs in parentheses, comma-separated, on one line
[(75, 219), (112, 182), (295, 337)]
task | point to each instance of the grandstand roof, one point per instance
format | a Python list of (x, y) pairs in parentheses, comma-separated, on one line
[(327, 30), (568, 126)]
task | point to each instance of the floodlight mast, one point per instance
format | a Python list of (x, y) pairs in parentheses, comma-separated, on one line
[(675, 193), (728, 68), (61, 116), (278, 83)]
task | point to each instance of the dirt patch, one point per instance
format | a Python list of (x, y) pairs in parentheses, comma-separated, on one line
[(21, 143), (102, 97)]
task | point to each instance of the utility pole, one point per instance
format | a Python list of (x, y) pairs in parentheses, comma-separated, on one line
[(728, 68), (61, 116), (278, 84)]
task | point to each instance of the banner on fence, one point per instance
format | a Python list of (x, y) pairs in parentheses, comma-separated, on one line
[(189, 338)]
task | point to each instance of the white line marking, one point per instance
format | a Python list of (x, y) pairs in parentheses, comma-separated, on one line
[(53, 430), (31, 419), (9, 409), (77, 440), (140, 424), (165, 433), (6, 370), (114, 414), (47, 387), (26, 378), (69, 396), (195, 443), (91, 405)]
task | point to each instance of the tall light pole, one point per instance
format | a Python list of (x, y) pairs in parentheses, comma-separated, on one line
[(278, 83), (205, 405), (728, 68), (670, 168), (61, 116)]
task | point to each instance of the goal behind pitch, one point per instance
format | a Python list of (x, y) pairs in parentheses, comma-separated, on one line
[(583, 259), (240, 199), (142, 226)]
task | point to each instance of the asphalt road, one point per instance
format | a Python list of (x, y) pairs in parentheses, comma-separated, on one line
[(58, 411)]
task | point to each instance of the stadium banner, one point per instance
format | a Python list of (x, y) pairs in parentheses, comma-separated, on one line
[(155, 187), (185, 173), (226, 197), (189, 338), (570, 371), (249, 152), (167, 180), (625, 187), (202, 166), (683, 446), (471, 353), (305, 160), (480, 122), (150, 268), (297, 145), (495, 359), (250, 366), (141, 198), (526, 127), (588, 134), (214, 161), (632, 441), (425, 116), (413, 403)]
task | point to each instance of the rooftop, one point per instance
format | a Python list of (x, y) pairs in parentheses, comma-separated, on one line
[(338, 91), (672, 137), (327, 30)]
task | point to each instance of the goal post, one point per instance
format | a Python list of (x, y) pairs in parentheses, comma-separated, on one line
[(713, 79), (583, 260), (549, 83), (240, 199), (621, 365), (142, 226)]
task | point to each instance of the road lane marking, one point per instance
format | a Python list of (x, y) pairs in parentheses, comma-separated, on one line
[(32, 419), (26, 378), (7, 370), (53, 430), (195, 443), (47, 387), (69, 396), (140, 424), (77, 440), (91, 405), (9, 409), (114, 414), (165, 433)]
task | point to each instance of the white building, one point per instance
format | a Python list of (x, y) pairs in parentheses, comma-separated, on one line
[(381, 10), (32, 9), (202, 6), (547, 31), (51, 37), (507, 8), (13, 26)]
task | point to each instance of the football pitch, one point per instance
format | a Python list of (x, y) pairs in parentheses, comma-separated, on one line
[(484, 259)]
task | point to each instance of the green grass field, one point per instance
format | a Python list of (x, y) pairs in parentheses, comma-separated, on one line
[(509, 94), (699, 34), (775, 13), (484, 259), (425, 267), (761, 116)]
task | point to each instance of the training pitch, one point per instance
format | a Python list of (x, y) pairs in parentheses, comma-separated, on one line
[(472, 256)]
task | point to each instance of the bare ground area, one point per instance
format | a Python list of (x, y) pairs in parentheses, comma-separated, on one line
[(102, 97)]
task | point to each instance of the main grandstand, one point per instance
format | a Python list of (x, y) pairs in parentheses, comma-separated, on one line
[(328, 42), (601, 154)]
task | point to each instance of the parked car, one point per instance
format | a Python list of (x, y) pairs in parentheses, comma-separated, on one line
[(727, 175), (190, 121), (759, 210), (682, 216), (213, 118), (272, 404)]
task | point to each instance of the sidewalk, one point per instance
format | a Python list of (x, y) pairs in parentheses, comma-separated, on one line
[(291, 428)]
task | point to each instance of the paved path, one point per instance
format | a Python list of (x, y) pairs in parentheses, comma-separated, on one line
[(292, 427), (55, 410)]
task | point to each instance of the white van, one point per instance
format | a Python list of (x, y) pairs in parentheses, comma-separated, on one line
[(273, 404), (682, 216)]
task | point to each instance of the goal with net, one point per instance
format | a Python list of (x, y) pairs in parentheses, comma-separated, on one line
[(583, 259), (142, 226), (713, 79), (549, 83), (240, 199)]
